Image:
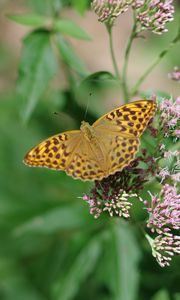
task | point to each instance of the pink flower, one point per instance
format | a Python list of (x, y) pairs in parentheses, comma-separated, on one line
[(175, 74), (178, 101), (177, 133), (172, 122), (170, 116), (164, 173), (109, 10), (176, 177), (171, 154), (164, 210), (154, 14), (164, 247), (165, 105)]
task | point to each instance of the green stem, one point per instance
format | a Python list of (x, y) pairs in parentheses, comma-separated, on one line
[(125, 65), (135, 89), (109, 29)]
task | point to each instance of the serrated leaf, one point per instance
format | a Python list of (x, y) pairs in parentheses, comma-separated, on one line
[(161, 295), (37, 68), (70, 28), (67, 286), (29, 19), (69, 56)]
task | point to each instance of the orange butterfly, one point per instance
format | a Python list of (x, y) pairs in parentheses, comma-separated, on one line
[(98, 150)]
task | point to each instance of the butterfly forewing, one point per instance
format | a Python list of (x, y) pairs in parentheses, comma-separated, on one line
[(67, 151), (128, 120), (55, 152)]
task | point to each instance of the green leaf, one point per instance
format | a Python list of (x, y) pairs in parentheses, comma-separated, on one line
[(63, 218), (67, 286), (15, 284), (177, 296), (69, 57), (124, 256), (70, 28), (81, 5), (98, 78), (29, 19), (161, 295), (37, 67)]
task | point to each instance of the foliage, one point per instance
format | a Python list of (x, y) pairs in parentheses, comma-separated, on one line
[(51, 247)]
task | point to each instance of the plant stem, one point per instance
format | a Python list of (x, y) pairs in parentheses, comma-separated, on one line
[(126, 60), (135, 89), (109, 29)]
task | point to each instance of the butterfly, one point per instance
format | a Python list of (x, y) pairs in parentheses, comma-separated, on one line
[(98, 150)]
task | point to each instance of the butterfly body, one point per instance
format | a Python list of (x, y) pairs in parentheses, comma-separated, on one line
[(98, 150), (88, 131)]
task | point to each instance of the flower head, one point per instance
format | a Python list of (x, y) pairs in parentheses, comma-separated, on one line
[(153, 14), (170, 117), (177, 133), (170, 173), (164, 172), (164, 210), (109, 10), (164, 247), (175, 74), (118, 205), (112, 194)]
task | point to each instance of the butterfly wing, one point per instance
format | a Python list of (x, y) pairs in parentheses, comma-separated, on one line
[(68, 151), (86, 163), (55, 152), (129, 120), (119, 130), (117, 151), (115, 145)]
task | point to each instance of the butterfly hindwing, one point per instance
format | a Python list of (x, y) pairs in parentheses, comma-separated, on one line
[(117, 151), (86, 163)]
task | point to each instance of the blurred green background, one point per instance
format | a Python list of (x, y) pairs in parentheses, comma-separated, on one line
[(51, 248)]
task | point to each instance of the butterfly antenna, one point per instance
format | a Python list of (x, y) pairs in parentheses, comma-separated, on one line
[(87, 107)]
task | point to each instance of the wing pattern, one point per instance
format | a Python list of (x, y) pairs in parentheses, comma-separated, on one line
[(129, 120)]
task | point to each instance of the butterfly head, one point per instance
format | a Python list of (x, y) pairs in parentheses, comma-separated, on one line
[(87, 130)]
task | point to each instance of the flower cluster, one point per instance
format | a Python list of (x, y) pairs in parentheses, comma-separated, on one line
[(170, 117), (117, 205), (171, 171), (175, 74), (164, 216), (153, 14), (164, 210), (112, 194), (109, 10), (150, 14), (164, 247)]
